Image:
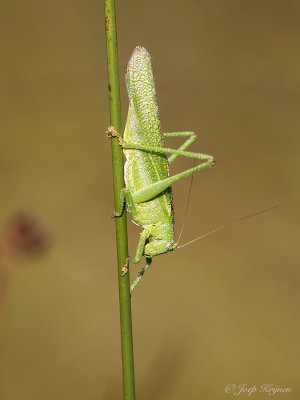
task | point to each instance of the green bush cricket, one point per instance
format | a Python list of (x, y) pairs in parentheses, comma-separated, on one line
[(148, 191)]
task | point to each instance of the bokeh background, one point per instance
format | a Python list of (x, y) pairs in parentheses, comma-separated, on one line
[(225, 310)]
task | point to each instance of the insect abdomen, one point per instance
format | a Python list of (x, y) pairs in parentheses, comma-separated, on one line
[(143, 127)]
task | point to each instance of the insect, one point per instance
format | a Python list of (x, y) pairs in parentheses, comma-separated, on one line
[(148, 191)]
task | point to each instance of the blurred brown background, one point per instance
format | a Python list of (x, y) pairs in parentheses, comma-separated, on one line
[(224, 310)]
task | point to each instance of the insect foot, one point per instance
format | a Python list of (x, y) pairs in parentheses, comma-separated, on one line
[(115, 214), (112, 132), (124, 270)]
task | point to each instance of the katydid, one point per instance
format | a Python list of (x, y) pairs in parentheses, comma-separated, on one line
[(148, 191)]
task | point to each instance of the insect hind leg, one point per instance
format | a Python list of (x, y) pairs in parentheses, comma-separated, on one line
[(192, 137)]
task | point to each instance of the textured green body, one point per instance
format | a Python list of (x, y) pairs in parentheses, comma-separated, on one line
[(144, 168), (148, 190)]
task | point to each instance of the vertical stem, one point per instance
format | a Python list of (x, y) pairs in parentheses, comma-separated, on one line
[(121, 227)]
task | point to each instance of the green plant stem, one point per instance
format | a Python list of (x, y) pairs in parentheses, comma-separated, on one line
[(121, 226)]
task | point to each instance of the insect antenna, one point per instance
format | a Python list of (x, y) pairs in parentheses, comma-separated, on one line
[(219, 228), (186, 207)]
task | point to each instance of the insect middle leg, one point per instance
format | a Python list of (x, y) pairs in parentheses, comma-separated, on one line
[(144, 238), (120, 210), (141, 273)]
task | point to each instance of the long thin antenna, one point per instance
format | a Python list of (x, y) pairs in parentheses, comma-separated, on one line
[(187, 206), (219, 228)]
